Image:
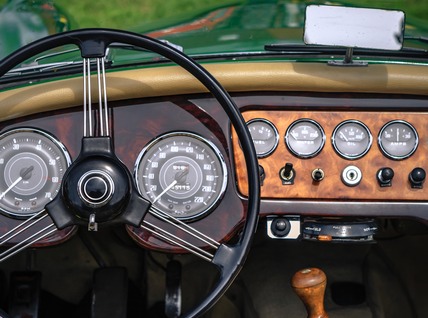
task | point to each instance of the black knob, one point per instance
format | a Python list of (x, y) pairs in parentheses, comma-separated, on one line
[(280, 227), (262, 174), (417, 177), (384, 176)]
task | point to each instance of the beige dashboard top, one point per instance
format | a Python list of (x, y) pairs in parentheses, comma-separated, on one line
[(235, 77)]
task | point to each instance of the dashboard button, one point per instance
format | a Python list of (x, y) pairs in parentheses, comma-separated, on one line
[(417, 178)]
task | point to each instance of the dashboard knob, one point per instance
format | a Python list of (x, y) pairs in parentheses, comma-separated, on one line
[(262, 174), (317, 175), (417, 178), (280, 227), (384, 176)]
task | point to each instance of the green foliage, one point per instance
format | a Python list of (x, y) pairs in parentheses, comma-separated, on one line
[(130, 13)]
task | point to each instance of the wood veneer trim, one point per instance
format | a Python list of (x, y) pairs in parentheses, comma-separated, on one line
[(332, 188)]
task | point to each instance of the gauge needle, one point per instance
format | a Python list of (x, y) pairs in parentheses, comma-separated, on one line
[(344, 137), (10, 187), (173, 183), (179, 177), (23, 175)]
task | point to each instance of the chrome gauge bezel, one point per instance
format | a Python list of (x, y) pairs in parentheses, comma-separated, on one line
[(52, 141), (361, 153), (412, 129), (142, 160), (300, 154), (275, 133)]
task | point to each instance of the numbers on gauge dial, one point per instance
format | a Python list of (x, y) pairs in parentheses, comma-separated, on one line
[(32, 164), (182, 174), (264, 135), (351, 139), (398, 139), (305, 138)]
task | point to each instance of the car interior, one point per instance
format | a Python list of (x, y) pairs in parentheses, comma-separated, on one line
[(237, 187)]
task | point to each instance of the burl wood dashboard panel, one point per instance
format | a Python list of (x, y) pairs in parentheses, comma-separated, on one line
[(332, 187)]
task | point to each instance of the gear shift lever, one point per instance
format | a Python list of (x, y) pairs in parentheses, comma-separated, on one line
[(309, 284)]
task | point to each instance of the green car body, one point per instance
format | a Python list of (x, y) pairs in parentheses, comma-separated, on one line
[(236, 30)]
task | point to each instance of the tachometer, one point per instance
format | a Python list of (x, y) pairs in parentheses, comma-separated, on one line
[(182, 174), (398, 139), (32, 164)]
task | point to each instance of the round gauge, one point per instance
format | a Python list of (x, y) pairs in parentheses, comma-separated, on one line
[(265, 136), (32, 164), (305, 138), (398, 139), (182, 174), (351, 139)]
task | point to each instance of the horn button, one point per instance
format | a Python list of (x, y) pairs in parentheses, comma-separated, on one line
[(95, 188)]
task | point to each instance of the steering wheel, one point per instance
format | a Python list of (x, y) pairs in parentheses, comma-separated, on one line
[(113, 196)]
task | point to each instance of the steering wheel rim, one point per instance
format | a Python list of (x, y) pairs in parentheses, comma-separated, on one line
[(92, 44)]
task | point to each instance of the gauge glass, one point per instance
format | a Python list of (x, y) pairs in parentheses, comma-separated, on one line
[(32, 164), (181, 174), (351, 139), (305, 138), (265, 136), (398, 139)]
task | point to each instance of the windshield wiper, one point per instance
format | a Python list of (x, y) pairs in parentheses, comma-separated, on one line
[(296, 49), (422, 39)]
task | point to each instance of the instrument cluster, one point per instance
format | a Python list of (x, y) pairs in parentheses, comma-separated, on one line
[(180, 173), (342, 155), (351, 139)]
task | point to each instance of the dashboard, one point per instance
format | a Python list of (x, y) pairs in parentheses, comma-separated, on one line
[(365, 156), (342, 155)]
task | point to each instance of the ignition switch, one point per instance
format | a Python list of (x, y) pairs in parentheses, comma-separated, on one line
[(351, 176)]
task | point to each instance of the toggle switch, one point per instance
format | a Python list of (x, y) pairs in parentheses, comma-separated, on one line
[(287, 174)]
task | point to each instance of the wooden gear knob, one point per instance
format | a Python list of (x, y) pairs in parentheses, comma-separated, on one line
[(309, 284)]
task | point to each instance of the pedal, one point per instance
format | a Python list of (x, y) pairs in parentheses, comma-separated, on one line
[(173, 289), (110, 293), (25, 294)]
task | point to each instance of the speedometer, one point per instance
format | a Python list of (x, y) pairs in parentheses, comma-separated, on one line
[(181, 174)]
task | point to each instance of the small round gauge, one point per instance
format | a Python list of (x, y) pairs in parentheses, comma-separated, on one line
[(305, 138), (265, 136), (32, 164), (398, 139), (351, 139), (182, 174)]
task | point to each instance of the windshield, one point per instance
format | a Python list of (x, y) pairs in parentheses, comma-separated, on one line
[(199, 28)]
